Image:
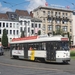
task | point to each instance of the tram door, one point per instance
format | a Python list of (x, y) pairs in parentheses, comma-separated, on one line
[(51, 53), (25, 51)]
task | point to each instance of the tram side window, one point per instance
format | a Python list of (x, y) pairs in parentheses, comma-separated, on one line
[(21, 47), (56, 45), (33, 46), (30, 46), (17, 46), (37, 46), (13, 47), (43, 46)]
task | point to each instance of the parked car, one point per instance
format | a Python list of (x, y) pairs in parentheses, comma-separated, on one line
[(1, 50)]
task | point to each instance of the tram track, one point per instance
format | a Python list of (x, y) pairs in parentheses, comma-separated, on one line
[(19, 66)]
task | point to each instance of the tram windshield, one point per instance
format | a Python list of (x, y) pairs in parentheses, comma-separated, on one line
[(63, 45)]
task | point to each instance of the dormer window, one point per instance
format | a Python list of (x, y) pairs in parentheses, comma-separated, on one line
[(12, 16)]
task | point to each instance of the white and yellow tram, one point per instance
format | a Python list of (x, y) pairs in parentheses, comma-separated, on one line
[(50, 49)]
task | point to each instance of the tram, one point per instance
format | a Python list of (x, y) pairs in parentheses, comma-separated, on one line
[(42, 47)]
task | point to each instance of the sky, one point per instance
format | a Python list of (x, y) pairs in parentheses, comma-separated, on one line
[(12, 5)]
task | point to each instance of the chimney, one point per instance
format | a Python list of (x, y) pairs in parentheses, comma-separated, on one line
[(31, 14)]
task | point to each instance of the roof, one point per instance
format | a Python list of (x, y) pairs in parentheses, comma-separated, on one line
[(39, 38), (53, 8), (3, 16), (36, 20), (12, 15), (22, 12)]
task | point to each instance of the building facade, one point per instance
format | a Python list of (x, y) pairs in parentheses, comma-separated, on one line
[(28, 24), (11, 26), (36, 26), (73, 28), (54, 18), (18, 21)]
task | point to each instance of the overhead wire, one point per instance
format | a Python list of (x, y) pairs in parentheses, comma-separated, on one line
[(18, 4), (8, 3), (13, 4), (70, 3)]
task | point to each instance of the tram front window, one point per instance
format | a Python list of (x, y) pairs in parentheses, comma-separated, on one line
[(64, 46)]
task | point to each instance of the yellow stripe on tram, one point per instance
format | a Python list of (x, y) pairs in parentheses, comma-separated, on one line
[(32, 54)]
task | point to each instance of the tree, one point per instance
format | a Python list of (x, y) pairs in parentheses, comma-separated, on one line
[(59, 31), (22, 34), (4, 38), (54, 33), (39, 32), (69, 36)]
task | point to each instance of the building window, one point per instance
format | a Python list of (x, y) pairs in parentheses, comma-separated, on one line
[(0, 24), (3, 24), (49, 20), (55, 13), (65, 28), (32, 25), (17, 32), (32, 31), (50, 27), (10, 31), (6, 24), (58, 27), (0, 31), (14, 32), (35, 25), (48, 12), (62, 14), (39, 25), (44, 13), (64, 22), (13, 25), (10, 25), (12, 16)]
